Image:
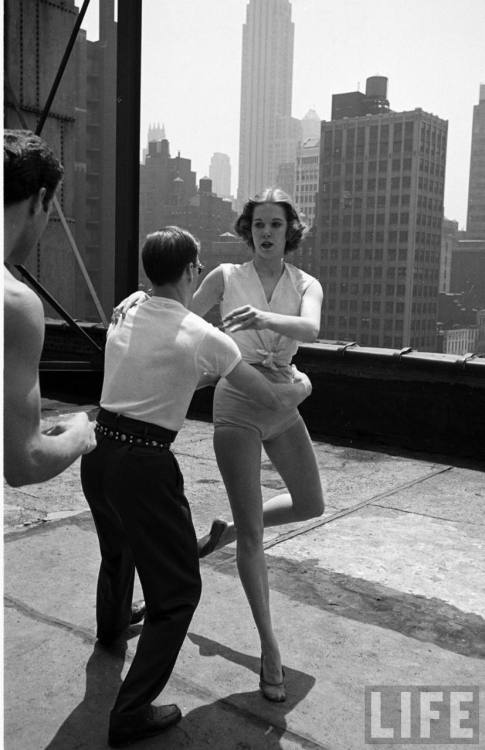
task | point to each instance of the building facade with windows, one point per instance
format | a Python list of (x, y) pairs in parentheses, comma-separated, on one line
[(79, 128), (449, 239), (378, 240)]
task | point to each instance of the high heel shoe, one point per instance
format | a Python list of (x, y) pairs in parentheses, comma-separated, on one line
[(209, 542), (272, 691)]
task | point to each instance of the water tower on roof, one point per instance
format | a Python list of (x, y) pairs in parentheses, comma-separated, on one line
[(376, 95)]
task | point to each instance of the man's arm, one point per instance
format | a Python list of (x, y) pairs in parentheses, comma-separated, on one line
[(272, 395), (29, 455)]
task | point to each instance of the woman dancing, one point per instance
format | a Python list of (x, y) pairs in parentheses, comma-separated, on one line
[(268, 306)]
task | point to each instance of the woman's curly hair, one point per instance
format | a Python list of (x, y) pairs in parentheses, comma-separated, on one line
[(296, 229)]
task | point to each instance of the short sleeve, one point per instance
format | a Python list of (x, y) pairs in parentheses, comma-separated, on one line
[(218, 354)]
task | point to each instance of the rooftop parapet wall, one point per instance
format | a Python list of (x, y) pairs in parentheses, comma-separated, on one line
[(422, 402), (410, 399), (416, 400)]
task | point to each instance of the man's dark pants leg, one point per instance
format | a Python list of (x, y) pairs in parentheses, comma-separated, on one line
[(142, 516)]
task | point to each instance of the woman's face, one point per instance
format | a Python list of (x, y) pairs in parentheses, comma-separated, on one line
[(268, 230)]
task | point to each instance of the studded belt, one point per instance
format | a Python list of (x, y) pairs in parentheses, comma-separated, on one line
[(129, 438)]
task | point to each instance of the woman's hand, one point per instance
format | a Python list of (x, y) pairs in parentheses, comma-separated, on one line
[(137, 298), (245, 317)]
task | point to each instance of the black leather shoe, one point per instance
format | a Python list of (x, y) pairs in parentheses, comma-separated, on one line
[(209, 542), (127, 728), (138, 611)]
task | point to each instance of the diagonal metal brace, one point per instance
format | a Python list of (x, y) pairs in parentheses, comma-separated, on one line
[(47, 296)]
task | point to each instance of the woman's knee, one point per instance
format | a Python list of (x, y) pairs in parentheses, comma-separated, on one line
[(249, 539), (312, 507)]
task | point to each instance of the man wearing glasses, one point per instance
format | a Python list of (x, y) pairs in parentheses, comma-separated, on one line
[(156, 356)]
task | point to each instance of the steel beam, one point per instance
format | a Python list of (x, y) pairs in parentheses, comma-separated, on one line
[(127, 146)]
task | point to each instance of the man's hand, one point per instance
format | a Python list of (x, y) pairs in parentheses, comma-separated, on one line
[(301, 377), (137, 298), (244, 317), (78, 425)]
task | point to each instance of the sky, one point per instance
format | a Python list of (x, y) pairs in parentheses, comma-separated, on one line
[(432, 52)]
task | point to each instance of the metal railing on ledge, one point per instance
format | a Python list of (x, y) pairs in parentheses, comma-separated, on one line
[(419, 401)]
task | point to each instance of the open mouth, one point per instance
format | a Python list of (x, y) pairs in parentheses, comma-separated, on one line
[(266, 245)]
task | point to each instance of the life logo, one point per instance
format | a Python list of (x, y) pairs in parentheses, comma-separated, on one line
[(422, 714)]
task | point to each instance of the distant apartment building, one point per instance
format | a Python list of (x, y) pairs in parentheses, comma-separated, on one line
[(380, 212), (306, 178), (475, 226), (220, 174), (268, 133), (205, 215), (465, 338), (449, 238), (165, 181), (306, 192), (156, 132), (80, 130), (468, 271), (460, 341), (169, 195)]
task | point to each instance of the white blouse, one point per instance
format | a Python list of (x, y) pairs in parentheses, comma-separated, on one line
[(242, 286)]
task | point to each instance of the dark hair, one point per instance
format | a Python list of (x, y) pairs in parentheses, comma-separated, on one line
[(167, 252), (296, 228), (28, 165)]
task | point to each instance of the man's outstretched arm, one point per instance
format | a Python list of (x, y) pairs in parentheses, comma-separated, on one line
[(29, 455), (272, 395)]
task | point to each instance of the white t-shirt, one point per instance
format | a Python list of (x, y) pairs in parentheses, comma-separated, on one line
[(155, 358)]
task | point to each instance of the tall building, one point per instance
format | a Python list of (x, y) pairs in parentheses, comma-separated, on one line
[(155, 133), (268, 134), (380, 212), (475, 226), (80, 129), (310, 125), (220, 174)]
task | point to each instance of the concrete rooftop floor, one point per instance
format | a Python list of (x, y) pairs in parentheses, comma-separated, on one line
[(387, 588)]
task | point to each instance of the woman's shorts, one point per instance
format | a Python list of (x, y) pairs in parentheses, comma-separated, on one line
[(233, 408)]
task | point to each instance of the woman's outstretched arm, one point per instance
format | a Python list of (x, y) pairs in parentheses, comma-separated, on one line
[(304, 327)]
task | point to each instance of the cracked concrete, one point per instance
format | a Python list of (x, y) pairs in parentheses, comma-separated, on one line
[(387, 591)]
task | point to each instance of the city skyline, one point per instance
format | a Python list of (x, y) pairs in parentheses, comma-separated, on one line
[(441, 72)]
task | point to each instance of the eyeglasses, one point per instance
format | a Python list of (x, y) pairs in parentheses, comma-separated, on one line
[(199, 267)]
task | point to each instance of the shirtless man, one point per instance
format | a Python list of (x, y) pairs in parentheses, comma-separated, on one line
[(31, 176)]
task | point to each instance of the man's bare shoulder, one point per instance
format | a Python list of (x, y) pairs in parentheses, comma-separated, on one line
[(23, 311)]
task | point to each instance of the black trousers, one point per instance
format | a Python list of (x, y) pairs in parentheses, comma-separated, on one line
[(143, 521)]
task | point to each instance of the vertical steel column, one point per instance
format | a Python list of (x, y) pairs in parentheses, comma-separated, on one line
[(128, 66)]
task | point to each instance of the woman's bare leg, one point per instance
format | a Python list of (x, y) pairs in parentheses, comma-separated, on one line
[(238, 453), (293, 457)]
